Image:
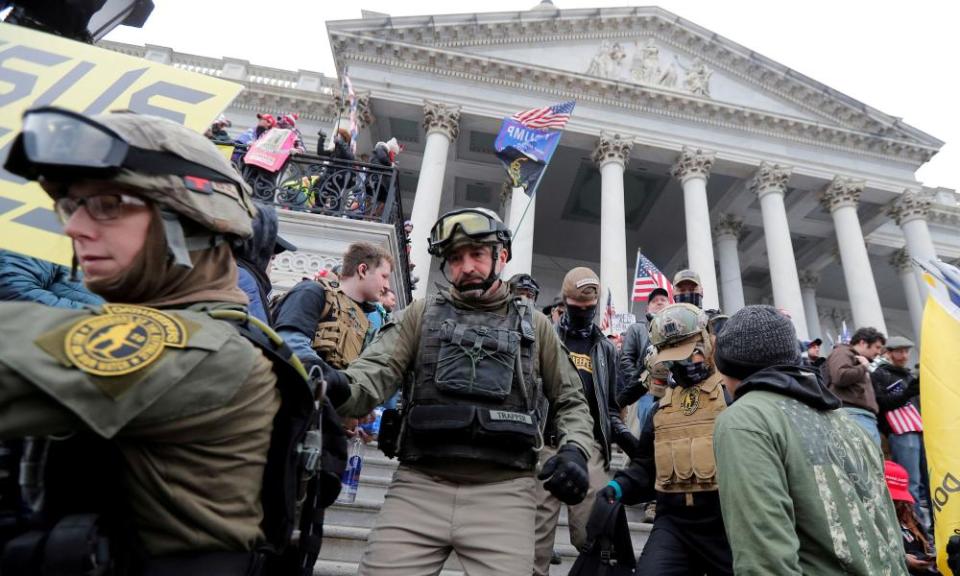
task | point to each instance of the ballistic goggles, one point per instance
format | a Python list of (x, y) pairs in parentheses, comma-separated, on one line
[(470, 222), (61, 145)]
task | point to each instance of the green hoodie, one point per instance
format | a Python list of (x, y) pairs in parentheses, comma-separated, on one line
[(801, 485)]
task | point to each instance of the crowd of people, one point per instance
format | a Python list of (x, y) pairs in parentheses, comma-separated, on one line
[(163, 412)]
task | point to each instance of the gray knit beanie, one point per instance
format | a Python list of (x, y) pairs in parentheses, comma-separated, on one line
[(755, 338)]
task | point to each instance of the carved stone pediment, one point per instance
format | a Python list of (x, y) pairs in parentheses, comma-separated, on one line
[(642, 58)]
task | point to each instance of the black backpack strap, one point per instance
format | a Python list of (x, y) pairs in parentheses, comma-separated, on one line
[(303, 457)]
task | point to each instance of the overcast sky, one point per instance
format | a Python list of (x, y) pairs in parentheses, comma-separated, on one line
[(898, 57)]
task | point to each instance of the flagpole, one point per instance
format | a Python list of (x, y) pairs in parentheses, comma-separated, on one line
[(530, 201)]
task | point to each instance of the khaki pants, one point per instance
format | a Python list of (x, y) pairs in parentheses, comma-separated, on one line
[(548, 511), (423, 519)]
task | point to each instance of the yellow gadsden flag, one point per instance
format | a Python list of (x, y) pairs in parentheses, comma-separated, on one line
[(940, 405), (38, 69)]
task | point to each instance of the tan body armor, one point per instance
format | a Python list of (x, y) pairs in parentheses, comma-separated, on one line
[(340, 337), (683, 437)]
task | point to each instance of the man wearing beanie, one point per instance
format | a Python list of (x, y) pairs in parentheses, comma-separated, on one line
[(801, 485)]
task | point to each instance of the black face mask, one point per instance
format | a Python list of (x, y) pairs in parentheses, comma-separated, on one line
[(694, 298), (687, 373), (580, 318)]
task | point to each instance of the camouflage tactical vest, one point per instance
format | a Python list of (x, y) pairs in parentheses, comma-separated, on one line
[(476, 389), (683, 437), (341, 334)]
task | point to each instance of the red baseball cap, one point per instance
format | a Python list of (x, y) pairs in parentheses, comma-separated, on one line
[(898, 481), (269, 118)]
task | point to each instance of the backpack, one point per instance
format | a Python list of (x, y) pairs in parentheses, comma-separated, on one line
[(609, 549)]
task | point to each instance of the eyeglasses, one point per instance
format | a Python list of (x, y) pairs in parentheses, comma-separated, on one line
[(100, 207)]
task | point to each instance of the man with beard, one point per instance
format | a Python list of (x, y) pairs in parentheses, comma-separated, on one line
[(596, 360), (471, 426), (675, 459)]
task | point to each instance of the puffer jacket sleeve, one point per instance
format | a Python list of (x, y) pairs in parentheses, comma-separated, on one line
[(32, 280), (631, 364)]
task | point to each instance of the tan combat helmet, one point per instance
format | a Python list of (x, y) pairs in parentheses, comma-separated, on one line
[(174, 167), (676, 330)]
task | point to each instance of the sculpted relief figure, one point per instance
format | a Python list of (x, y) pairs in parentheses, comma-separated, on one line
[(608, 61), (646, 68)]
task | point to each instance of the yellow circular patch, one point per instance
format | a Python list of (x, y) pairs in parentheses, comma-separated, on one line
[(124, 339), (690, 400)]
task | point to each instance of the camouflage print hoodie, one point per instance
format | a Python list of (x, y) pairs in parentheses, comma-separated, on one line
[(801, 485)]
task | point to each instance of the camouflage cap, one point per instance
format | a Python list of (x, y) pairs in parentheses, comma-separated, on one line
[(223, 206), (675, 324), (686, 275), (581, 284)]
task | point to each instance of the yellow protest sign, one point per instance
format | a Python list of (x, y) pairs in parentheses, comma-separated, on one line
[(939, 398), (38, 69)]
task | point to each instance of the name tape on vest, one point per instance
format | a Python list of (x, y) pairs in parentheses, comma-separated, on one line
[(503, 415)]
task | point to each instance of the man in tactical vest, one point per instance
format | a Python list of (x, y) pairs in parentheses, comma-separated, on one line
[(327, 318), (675, 458), (158, 432), (485, 366), (596, 360)]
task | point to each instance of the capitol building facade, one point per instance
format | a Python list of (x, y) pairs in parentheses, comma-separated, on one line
[(683, 145)]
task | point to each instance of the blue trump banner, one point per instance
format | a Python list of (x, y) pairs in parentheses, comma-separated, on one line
[(525, 152)]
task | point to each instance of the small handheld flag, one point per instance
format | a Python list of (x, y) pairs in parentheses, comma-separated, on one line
[(647, 278)]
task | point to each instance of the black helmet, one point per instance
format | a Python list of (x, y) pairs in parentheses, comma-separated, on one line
[(523, 281)]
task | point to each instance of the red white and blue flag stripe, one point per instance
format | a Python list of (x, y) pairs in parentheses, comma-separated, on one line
[(905, 419), (547, 117), (647, 278)]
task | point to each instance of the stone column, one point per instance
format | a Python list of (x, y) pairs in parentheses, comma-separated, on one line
[(840, 197), (611, 155), (906, 270), (442, 124), (808, 291), (770, 185), (727, 234), (910, 211), (692, 169), (521, 259)]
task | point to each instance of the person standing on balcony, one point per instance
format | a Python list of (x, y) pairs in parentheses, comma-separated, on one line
[(486, 368)]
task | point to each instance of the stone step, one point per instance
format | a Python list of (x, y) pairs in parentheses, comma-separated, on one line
[(343, 546)]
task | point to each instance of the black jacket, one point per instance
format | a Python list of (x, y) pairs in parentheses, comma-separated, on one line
[(603, 355), (895, 387), (636, 340)]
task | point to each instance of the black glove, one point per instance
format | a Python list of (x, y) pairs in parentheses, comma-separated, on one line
[(953, 554), (566, 475), (609, 494), (338, 386), (628, 443)]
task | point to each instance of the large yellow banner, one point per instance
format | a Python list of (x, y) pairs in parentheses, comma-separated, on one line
[(940, 406), (38, 69)]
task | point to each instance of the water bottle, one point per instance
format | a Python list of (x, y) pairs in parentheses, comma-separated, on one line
[(350, 481), (373, 428)]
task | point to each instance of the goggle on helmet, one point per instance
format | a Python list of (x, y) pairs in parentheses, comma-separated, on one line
[(475, 225)]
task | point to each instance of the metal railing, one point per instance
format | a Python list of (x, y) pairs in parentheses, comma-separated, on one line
[(333, 187)]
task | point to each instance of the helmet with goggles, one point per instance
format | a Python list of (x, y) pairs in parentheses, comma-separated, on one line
[(467, 226), (164, 162)]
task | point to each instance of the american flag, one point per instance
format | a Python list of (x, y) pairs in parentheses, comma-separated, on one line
[(555, 116), (647, 278), (352, 114), (608, 313)]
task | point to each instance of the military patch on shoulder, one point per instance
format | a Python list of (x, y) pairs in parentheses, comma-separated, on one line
[(123, 340)]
